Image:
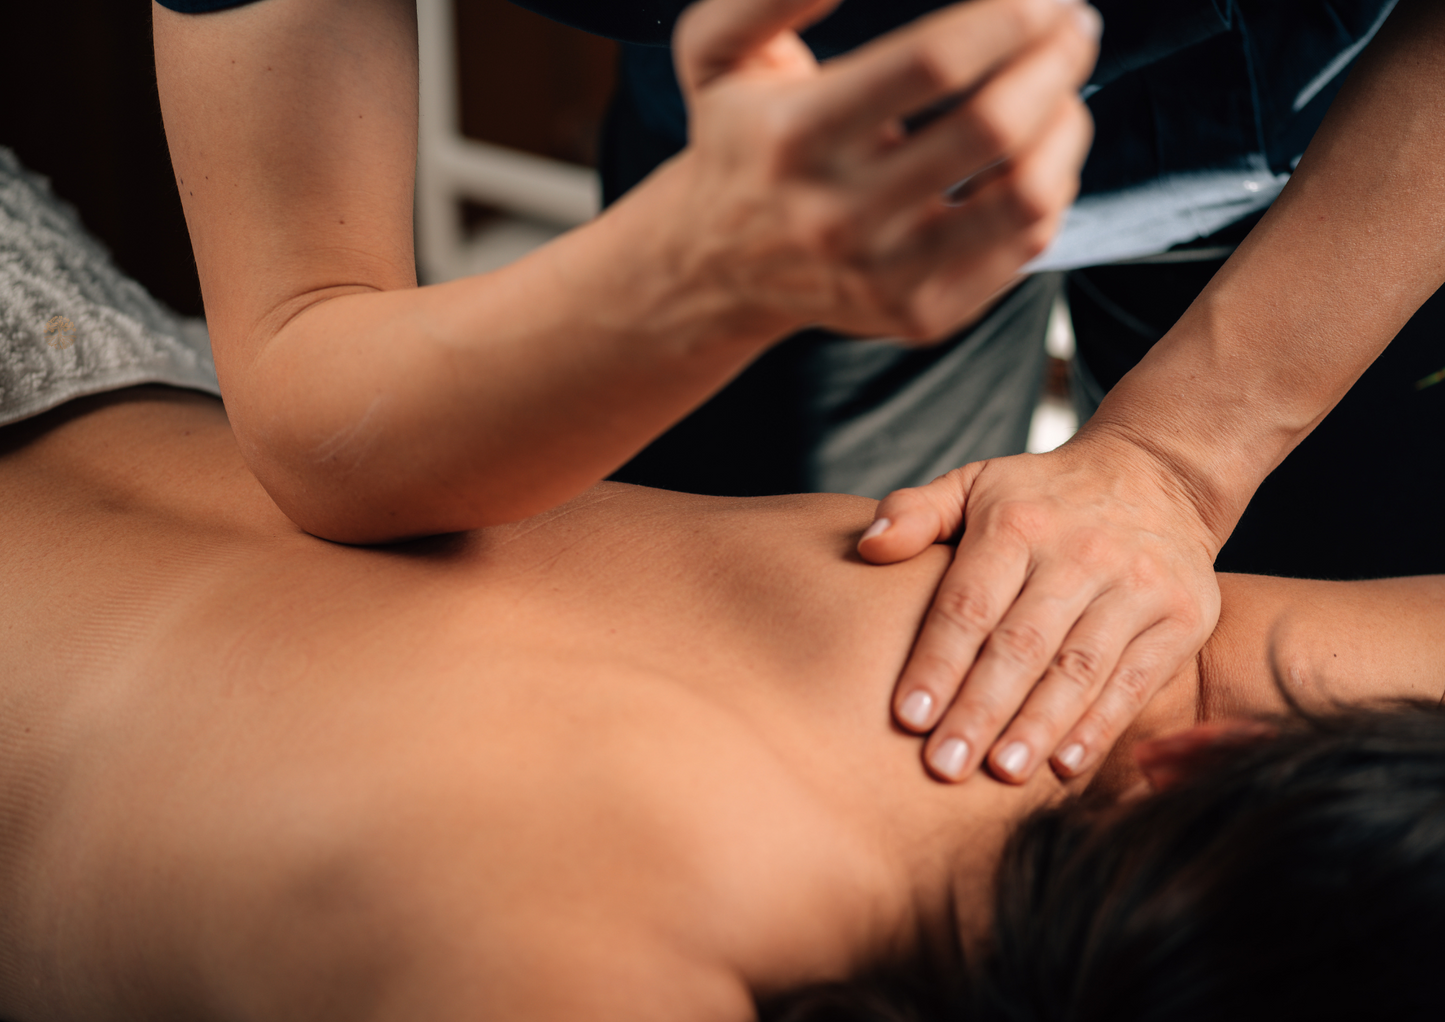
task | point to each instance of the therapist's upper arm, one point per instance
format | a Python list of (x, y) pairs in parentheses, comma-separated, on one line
[(292, 131)]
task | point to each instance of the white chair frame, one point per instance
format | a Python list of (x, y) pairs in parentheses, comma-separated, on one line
[(452, 167)]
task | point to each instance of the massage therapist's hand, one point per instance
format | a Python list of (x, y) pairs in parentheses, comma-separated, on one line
[(1082, 577), (812, 204), (817, 207), (1082, 582)]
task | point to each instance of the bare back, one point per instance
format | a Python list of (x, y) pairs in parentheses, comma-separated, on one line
[(631, 757)]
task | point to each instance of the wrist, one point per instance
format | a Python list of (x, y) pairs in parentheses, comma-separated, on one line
[(1206, 414), (1164, 472), (659, 264)]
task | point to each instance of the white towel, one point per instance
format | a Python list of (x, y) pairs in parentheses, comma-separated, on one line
[(71, 323)]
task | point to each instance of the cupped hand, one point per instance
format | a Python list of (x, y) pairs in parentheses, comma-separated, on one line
[(1082, 581), (891, 191)]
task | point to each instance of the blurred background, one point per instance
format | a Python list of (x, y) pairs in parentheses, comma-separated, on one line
[(508, 140), (80, 107)]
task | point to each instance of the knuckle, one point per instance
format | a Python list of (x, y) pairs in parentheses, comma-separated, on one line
[(1039, 725), (782, 126), (1187, 616), (931, 68), (965, 608), (1020, 642), (1030, 196), (824, 229), (1094, 730), (1092, 548), (979, 718), (1021, 521), (937, 673), (987, 133), (1144, 573), (902, 501), (1080, 666), (1135, 683)]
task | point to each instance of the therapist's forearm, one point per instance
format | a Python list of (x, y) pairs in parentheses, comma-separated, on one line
[(377, 414), (372, 410), (1352, 248)]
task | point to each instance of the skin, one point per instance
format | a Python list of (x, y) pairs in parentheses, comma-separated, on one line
[(629, 759), (292, 128), (373, 410), (1084, 577)]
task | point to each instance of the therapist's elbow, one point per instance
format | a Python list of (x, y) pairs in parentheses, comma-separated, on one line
[(369, 499)]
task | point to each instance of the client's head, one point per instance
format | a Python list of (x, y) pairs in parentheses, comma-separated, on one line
[(1295, 876), (1300, 876)]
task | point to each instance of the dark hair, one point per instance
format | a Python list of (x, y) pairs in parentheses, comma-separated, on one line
[(1300, 876)]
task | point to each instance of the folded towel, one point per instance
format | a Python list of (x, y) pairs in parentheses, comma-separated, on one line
[(71, 323)]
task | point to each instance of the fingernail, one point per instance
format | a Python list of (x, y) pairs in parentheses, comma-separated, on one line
[(1071, 757), (878, 528), (1014, 758), (949, 757), (916, 709), (1090, 22), (1066, 3)]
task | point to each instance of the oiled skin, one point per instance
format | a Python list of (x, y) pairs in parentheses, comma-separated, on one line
[(631, 759)]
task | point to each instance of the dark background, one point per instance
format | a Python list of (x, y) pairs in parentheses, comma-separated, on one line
[(79, 106)]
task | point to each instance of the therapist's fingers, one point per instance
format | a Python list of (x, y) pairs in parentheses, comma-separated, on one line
[(1146, 666), (1087, 657), (1007, 117), (1017, 651), (812, 228), (987, 574), (1088, 550), (937, 57), (908, 521), (960, 256), (715, 38)]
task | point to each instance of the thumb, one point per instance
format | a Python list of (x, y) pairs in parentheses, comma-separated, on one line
[(715, 36), (909, 521)]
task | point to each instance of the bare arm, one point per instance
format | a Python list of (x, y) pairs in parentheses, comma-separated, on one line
[(1324, 642), (371, 409), (1084, 578), (1328, 644)]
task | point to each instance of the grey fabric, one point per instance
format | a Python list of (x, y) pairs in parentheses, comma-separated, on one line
[(973, 401), (71, 323)]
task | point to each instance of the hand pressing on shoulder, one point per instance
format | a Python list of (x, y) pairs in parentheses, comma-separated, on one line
[(1082, 578), (1083, 581)]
